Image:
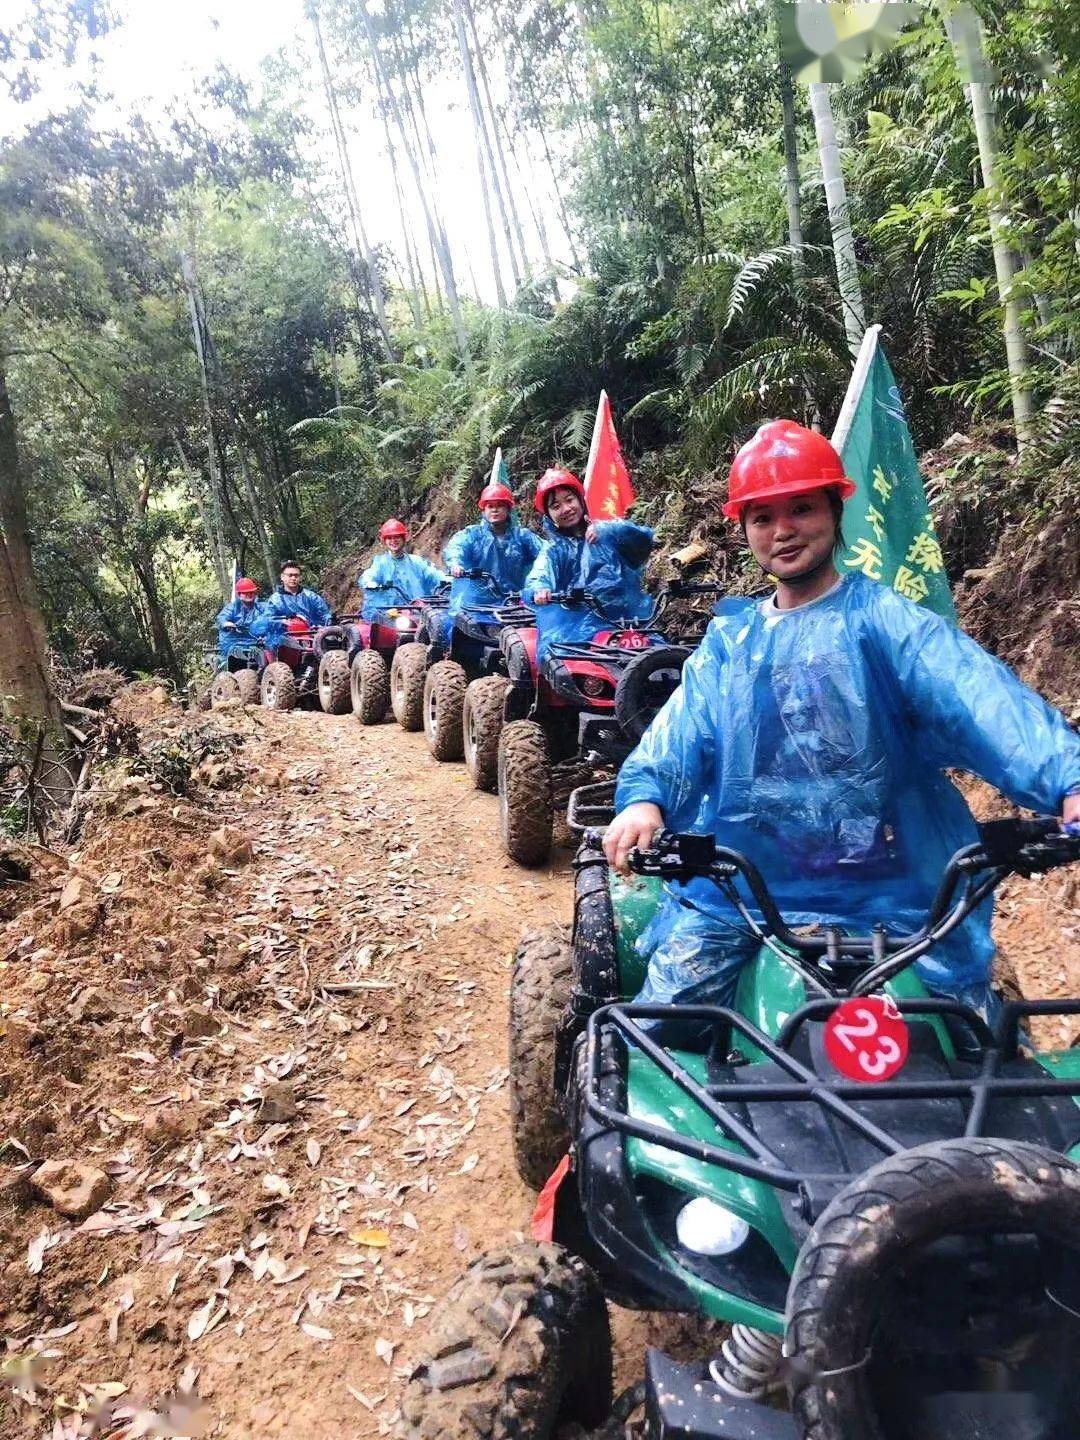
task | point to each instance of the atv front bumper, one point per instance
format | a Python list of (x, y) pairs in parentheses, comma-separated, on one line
[(682, 1401)]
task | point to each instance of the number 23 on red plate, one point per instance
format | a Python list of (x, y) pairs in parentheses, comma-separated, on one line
[(866, 1038)]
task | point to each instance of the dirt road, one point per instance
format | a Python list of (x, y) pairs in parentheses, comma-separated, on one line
[(355, 970), (288, 1064)]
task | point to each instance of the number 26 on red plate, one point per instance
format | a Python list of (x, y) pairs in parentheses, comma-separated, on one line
[(866, 1038)]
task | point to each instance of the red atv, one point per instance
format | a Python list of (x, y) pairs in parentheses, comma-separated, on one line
[(381, 670), (584, 707), (307, 664)]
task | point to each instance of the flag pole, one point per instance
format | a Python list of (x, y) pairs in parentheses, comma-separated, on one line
[(855, 386)]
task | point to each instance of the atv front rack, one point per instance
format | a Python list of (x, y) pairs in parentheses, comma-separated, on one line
[(750, 1155), (591, 807), (607, 651)]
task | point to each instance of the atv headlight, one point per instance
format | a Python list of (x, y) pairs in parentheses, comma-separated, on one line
[(707, 1228), (403, 623)]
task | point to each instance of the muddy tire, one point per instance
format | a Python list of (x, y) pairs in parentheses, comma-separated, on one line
[(481, 726), (248, 684), (278, 687), (333, 683), (407, 672), (539, 997), (864, 1251), (223, 689), (444, 699), (525, 805), (370, 687), (644, 687), (520, 1349)]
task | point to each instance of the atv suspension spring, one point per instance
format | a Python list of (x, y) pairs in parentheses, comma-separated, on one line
[(748, 1365)]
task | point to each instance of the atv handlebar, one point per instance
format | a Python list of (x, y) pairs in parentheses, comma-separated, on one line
[(373, 586), (1004, 847), (671, 590)]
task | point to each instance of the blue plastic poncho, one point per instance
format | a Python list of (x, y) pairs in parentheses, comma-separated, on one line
[(814, 740), (505, 557), (390, 580), (308, 605), (244, 616), (609, 567)]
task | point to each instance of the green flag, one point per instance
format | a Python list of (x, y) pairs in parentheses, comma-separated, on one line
[(887, 523), (500, 471)]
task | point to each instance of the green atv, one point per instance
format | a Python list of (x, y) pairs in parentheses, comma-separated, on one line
[(897, 1260)]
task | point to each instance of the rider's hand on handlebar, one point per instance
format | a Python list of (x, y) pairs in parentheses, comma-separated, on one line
[(636, 826), (542, 597), (456, 571), (1070, 809)]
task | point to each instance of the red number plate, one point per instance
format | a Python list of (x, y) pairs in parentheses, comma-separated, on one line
[(633, 640), (867, 1038)]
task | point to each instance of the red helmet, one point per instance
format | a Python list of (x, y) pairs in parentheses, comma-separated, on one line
[(783, 458), (556, 479), (246, 587), (389, 528), (297, 625), (495, 495)]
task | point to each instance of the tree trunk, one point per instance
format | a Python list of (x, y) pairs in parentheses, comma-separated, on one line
[(262, 534), (488, 142), (211, 522), (210, 370), (27, 701), (142, 565), (217, 487), (792, 192), (441, 248), (474, 107), (847, 273), (515, 213), (1006, 265), (536, 212), (538, 125), (360, 239), (411, 263)]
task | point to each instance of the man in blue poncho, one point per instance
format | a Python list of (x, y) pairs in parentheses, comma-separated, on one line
[(291, 601), (811, 732), (234, 620), (605, 558), (394, 577), (498, 545)]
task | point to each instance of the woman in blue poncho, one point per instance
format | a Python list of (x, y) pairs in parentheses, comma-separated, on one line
[(604, 557), (812, 730), (395, 576)]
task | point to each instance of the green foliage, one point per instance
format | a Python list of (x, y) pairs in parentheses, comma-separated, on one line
[(660, 132)]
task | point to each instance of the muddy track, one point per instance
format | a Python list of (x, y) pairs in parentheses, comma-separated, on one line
[(290, 1063)]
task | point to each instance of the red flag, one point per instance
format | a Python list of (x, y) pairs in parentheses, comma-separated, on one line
[(608, 491)]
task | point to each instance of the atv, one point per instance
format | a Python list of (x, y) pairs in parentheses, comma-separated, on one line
[(408, 670), (378, 643), (874, 1187), (237, 674), (466, 651), (305, 665), (582, 709)]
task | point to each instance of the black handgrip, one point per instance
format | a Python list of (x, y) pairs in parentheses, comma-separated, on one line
[(1002, 840)]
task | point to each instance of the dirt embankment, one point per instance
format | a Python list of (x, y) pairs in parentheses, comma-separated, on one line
[(257, 1032)]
